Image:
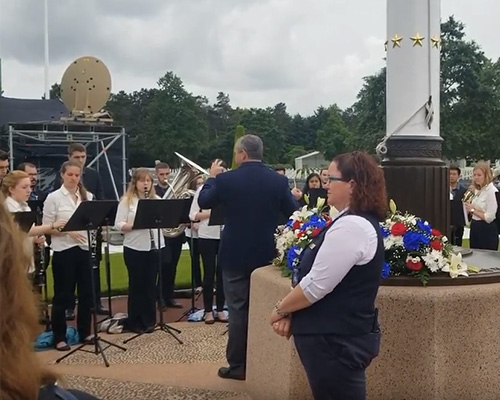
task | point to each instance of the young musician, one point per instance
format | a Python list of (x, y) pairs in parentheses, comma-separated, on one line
[(70, 261), (140, 254), (208, 243), (192, 240), (16, 187), (4, 164)]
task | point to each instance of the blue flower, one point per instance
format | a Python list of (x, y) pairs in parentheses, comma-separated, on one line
[(386, 270), (425, 227), (385, 232), (413, 240), (314, 222)]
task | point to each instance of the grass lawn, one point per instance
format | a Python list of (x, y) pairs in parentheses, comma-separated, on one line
[(119, 276)]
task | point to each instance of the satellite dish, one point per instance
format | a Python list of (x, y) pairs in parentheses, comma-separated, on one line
[(86, 86)]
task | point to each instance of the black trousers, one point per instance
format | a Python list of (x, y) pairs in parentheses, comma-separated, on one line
[(483, 235), (335, 365), (173, 250), (237, 291), (142, 267), (209, 249), (457, 233), (194, 252), (71, 268)]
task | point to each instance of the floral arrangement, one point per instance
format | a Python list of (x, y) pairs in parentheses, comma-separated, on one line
[(302, 227), (413, 247)]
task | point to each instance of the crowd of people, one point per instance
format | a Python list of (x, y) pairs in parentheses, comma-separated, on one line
[(339, 274)]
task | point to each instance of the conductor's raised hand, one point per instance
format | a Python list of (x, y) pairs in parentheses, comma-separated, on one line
[(216, 168)]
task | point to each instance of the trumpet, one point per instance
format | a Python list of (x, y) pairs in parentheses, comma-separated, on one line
[(468, 196)]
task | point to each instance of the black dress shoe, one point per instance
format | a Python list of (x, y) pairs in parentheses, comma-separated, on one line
[(70, 315), (228, 373), (173, 304)]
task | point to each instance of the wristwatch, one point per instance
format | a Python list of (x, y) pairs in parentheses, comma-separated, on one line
[(472, 210)]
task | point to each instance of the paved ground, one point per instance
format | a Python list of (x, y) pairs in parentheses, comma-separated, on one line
[(154, 366)]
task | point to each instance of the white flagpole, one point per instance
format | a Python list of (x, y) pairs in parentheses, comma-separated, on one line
[(46, 45)]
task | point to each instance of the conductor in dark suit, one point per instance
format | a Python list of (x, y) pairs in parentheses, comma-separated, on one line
[(253, 198), (457, 192)]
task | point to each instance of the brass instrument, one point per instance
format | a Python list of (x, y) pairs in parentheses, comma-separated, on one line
[(468, 196), (180, 188)]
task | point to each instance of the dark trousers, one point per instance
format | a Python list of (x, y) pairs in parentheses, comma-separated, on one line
[(335, 365), (71, 268), (142, 267), (97, 286), (457, 233), (194, 251), (237, 291), (173, 250), (209, 249), (483, 235)]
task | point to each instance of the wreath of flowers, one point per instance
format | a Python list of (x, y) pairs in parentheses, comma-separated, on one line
[(413, 247)]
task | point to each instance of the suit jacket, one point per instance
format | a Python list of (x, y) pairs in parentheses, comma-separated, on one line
[(91, 181), (253, 198), (457, 207)]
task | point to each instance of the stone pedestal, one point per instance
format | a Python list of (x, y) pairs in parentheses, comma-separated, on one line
[(439, 343)]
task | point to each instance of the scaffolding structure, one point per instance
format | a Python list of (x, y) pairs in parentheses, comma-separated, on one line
[(97, 134)]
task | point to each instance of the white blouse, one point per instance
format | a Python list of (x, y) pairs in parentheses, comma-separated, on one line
[(60, 205), (486, 201), (138, 239), (205, 231)]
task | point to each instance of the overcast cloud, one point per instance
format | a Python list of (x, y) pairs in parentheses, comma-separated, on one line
[(260, 52)]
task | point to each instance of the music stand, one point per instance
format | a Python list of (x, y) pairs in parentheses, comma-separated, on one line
[(89, 216), (25, 220), (109, 220), (158, 214), (315, 194), (217, 217)]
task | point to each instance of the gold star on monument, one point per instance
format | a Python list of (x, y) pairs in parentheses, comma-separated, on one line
[(435, 41), (396, 41), (385, 45), (417, 40)]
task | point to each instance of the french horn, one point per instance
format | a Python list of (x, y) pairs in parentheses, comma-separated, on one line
[(180, 188)]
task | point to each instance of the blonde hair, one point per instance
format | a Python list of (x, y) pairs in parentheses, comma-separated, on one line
[(138, 174), (486, 170), (11, 180), (21, 373), (81, 188)]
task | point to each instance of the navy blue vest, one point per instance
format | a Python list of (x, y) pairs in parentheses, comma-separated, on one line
[(350, 308)]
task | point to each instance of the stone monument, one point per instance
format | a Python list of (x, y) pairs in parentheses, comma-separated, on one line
[(416, 176)]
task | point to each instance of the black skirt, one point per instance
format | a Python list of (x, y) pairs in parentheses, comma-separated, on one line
[(483, 235)]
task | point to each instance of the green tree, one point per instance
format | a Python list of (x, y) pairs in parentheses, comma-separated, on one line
[(240, 132), (333, 137)]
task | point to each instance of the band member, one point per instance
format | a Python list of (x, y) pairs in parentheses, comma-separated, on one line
[(457, 192), (209, 240), (4, 164), (92, 181), (16, 187), (483, 208), (140, 248), (32, 171), (173, 246), (253, 197), (70, 261), (193, 241)]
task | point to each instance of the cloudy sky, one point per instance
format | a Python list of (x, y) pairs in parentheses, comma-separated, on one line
[(305, 53)]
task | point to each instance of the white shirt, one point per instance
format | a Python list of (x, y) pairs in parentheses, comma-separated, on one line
[(138, 239), (15, 206), (205, 231), (60, 205), (486, 201), (352, 240)]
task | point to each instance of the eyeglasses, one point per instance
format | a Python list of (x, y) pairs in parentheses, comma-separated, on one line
[(335, 179)]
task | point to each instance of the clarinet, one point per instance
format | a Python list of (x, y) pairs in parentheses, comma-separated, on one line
[(39, 257), (151, 237)]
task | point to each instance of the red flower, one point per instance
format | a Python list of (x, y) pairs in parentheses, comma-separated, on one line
[(300, 234), (296, 225), (414, 265), (398, 229), (436, 245), (316, 232), (435, 232)]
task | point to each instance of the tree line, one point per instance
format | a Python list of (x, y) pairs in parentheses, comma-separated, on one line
[(168, 118)]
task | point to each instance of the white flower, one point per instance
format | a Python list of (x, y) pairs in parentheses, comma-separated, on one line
[(435, 260), (456, 267), (393, 241), (444, 239)]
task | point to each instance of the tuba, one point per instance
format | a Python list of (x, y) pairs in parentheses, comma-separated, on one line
[(180, 188)]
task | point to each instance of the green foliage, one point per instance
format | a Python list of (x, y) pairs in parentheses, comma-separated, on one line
[(333, 136), (240, 132)]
